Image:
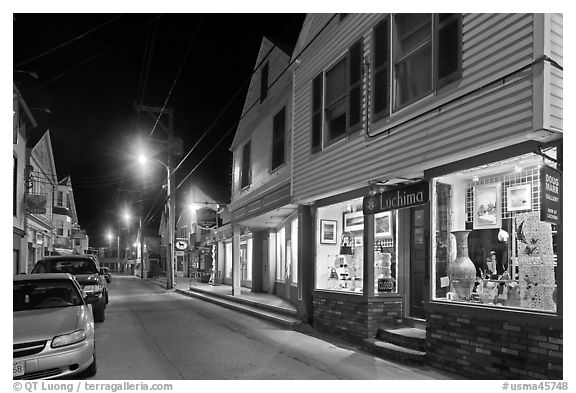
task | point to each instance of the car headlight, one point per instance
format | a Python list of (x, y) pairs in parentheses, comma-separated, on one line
[(67, 339), (92, 288)]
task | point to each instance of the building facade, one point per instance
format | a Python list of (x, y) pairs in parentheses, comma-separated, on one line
[(23, 121), (264, 220), (427, 161), (41, 183)]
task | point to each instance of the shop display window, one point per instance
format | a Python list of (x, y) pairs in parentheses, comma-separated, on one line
[(385, 253), (339, 247), (490, 246)]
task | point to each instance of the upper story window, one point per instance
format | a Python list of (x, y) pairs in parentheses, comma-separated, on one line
[(414, 55), (245, 169), (60, 198), (264, 82), (337, 99), (279, 138)]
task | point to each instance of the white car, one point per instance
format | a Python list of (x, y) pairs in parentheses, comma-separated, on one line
[(53, 332)]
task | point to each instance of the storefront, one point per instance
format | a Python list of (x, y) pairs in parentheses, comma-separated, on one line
[(370, 260), (496, 265)]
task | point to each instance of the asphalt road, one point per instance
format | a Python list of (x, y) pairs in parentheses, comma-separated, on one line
[(153, 334)]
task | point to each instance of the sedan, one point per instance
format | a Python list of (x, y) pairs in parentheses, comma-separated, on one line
[(53, 333)]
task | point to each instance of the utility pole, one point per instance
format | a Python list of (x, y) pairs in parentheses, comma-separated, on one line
[(155, 113)]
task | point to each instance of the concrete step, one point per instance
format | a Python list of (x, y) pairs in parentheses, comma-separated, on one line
[(267, 307), (408, 337), (257, 311), (394, 352)]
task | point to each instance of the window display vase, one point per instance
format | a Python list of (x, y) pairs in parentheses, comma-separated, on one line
[(462, 271)]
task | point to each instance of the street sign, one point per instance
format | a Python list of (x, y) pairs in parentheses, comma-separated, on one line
[(181, 245)]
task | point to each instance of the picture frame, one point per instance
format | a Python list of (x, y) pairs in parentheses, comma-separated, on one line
[(358, 241), (328, 231), (519, 198), (487, 206), (354, 221), (383, 224)]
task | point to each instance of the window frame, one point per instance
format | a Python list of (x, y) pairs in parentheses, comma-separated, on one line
[(278, 127), (246, 166), (398, 58), (437, 83), (264, 75), (318, 102)]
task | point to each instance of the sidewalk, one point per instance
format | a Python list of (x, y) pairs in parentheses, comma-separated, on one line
[(263, 305)]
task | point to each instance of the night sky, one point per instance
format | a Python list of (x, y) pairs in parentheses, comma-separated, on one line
[(95, 71)]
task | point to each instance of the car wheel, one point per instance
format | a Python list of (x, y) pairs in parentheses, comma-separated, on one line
[(99, 315)]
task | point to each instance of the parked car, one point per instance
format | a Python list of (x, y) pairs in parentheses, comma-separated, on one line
[(86, 269), (107, 274), (53, 327)]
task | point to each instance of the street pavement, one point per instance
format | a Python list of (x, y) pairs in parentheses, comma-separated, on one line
[(153, 334)]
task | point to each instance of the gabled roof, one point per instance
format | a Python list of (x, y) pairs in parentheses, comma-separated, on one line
[(45, 143), (277, 60)]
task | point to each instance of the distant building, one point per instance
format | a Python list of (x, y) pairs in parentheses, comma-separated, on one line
[(23, 122), (69, 237), (39, 198)]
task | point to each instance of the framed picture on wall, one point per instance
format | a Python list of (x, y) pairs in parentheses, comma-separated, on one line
[(354, 221), (488, 206), (519, 197), (328, 231), (383, 224)]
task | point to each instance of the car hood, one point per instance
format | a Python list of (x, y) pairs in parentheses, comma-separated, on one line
[(44, 324)]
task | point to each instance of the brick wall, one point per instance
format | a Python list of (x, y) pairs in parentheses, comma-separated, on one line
[(354, 318), (494, 344)]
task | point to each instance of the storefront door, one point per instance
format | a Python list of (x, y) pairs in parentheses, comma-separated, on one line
[(417, 263), (288, 267)]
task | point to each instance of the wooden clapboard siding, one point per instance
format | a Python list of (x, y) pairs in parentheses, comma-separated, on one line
[(556, 79), (498, 114), (256, 126)]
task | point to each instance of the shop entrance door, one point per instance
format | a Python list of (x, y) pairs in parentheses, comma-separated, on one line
[(417, 263), (288, 267)]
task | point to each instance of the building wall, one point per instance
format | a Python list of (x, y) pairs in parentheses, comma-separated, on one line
[(490, 107), (256, 127), (490, 346), (354, 317)]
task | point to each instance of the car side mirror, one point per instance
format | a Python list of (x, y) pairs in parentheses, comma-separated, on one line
[(101, 271)]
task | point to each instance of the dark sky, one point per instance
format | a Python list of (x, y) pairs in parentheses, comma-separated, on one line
[(91, 86)]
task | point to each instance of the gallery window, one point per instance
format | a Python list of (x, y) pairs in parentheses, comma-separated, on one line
[(413, 56), (491, 244), (339, 247), (337, 99)]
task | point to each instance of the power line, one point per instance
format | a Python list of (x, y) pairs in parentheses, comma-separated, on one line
[(67, 42), (254, 104), (234, 97), (178, 74), (88, 59)]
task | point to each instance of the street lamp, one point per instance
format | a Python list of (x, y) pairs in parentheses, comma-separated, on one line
[(171, 212)]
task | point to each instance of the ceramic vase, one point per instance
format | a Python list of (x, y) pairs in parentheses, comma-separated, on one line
[(462, 270)]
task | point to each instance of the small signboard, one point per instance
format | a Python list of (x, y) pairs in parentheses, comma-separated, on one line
[(550, 195), (399, 198)]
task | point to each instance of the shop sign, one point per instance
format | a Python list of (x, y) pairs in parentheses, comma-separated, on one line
[(181, 245), (35, 203), (399, 198), (550, 195)]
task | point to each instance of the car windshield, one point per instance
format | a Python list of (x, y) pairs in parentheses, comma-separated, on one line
[(38, 294), (72, 266)]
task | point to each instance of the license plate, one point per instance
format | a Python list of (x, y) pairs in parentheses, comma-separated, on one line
[(18, 369)]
